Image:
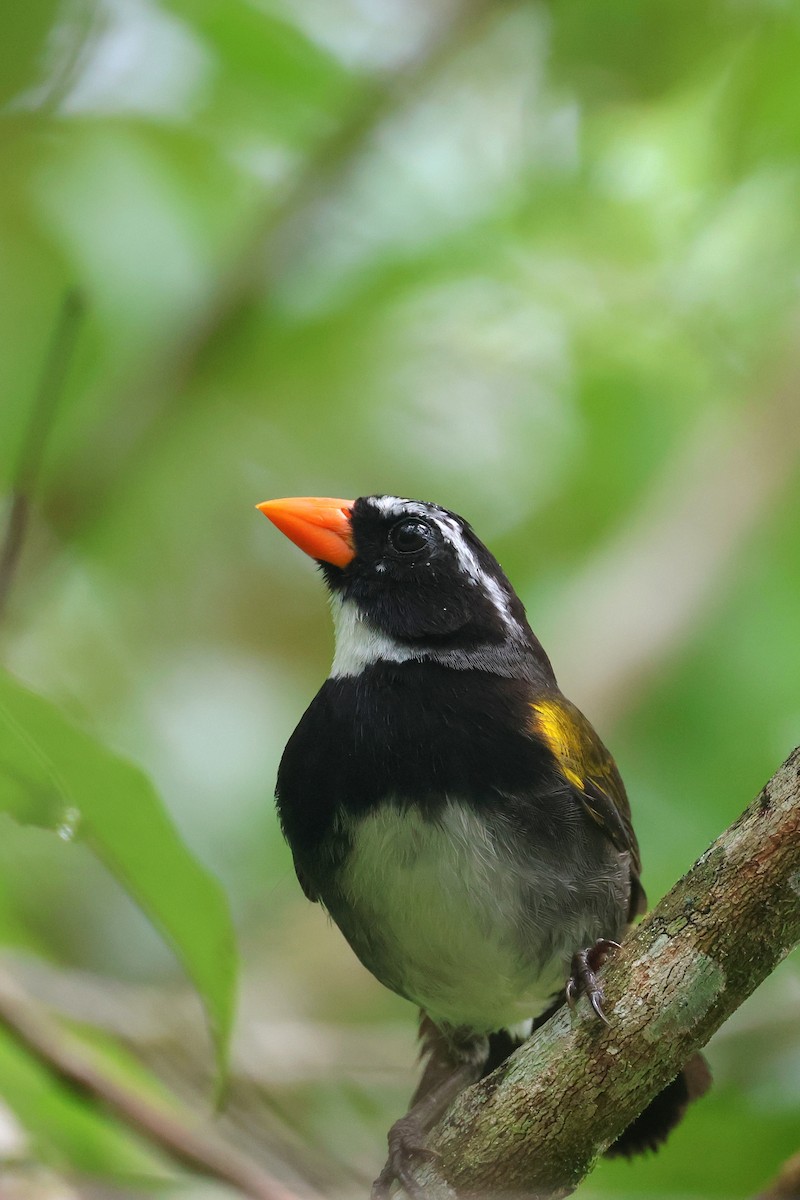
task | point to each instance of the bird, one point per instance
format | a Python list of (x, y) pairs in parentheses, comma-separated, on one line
[(459, 819)]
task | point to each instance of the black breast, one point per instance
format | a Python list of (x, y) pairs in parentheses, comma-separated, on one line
[(413, 733)]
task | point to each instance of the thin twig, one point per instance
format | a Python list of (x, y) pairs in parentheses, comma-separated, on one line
[(176, 1132), (31, 452)]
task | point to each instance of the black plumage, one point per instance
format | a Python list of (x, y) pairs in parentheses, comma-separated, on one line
[(459, 818)]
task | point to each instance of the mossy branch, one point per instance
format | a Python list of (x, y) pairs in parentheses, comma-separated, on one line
[(538, 1124)]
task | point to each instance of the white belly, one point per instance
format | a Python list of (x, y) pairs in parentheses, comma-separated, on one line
[(446, 913)]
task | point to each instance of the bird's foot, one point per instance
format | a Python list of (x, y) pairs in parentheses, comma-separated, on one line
[(407, 1152), (583, 978)]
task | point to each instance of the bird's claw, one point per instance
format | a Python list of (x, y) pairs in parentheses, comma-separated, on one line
[(406, 1152), (583, 978)]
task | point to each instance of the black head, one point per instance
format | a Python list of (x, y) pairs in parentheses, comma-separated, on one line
[(420, 574), (409, 579)]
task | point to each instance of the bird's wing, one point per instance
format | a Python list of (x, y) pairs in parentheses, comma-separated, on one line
[(588, 767), (309, 891)]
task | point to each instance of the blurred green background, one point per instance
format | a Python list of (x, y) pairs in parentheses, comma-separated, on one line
[(537, 262)]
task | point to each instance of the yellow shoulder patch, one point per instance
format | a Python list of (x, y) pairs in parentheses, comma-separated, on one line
[(563, 737), (587, 766)]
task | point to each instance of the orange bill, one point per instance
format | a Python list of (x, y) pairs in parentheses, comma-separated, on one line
[(318, 525)]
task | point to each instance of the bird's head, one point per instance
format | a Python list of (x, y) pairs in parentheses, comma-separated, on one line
[(409, 580)]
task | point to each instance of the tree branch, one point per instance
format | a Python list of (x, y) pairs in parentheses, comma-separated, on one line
[(178, 1133), (786, 1184), (537, 1125)]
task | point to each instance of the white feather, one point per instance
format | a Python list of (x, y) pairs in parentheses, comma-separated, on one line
[(457, 931), (359, 644)]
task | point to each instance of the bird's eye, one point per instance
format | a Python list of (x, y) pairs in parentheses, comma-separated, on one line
[(409, 536)]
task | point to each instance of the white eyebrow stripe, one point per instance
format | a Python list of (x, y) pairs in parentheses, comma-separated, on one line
[(466, 559), (500, 600), (398, 506), (475, 572)]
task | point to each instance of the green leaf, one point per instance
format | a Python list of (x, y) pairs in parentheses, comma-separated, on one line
[(54, 775), (66, 1127)]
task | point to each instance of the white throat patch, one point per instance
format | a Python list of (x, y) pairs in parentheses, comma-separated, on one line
[(359, 644)]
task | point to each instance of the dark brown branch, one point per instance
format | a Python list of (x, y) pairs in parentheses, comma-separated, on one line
[(538, 1124), (786, 1184), (31, 451), (177, 1132)]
